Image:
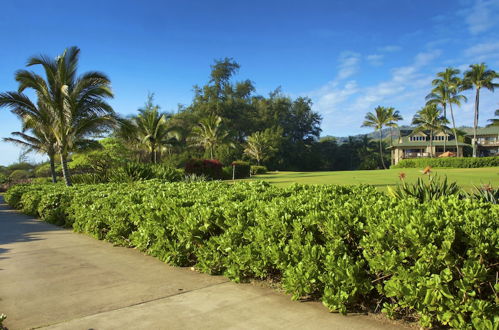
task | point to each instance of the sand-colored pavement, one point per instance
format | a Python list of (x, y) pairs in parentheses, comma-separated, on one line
[(51, 277)]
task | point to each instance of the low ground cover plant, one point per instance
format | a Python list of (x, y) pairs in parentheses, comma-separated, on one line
[(457, 162), (353, 248)]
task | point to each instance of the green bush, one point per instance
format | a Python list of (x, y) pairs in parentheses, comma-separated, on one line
[(242, 169), (436, 260), (457, 162), (425, 190), (257, 169), (18, 175)]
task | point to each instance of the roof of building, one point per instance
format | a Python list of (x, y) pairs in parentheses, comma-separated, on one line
[(423, 144), (491, 130)]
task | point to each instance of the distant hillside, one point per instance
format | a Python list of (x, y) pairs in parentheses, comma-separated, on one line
[(375, 135)]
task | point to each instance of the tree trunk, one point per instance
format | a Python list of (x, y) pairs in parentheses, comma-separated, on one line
[(431, 143), (454, 129), (153, 154), (65, 171), (391, 137), (52, 169), (475, 123), (381, 149)]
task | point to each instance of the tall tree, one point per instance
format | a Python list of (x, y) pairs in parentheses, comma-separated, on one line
[(378, 120), (478, 77), (394, 116), (494, 121), (446, 90), (263, 145), (149, 129), (429, 118), (37, 120), (210, 134), (77, 103)]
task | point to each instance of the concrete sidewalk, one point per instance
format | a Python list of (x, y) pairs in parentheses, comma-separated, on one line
[(51, 277)]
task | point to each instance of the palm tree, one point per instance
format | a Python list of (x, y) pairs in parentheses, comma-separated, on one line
[(429, 119), (494, 122), (38, 120), (394, 117), (378, 120), (149, 128), (478, 77), (209, 134), (446, 92), (76, 103)]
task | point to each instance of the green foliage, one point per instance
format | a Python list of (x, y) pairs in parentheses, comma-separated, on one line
[(347, 246), (2, 318), (457, 162), (3, 178), (255, 169), (424, 190), (107, 154), (242, 169), (18, 175), (210, 168), (42, 170), (486, 193)]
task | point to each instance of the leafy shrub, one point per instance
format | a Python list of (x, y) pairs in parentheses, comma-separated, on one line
[(2, 318), (486, 193), (3, 178), (194, 178), (18, 175), (457, 162), (347, 246), (88, 178), (257, 169), (42, 180), (43, 170), (425, 190), (242, 169), (210, 168), (167, 173)]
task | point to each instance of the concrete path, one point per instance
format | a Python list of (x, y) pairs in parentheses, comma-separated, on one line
[(51, 277)]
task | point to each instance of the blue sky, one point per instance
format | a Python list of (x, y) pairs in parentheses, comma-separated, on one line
[(348, 56)]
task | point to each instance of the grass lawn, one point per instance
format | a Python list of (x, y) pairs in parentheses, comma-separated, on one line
[(465, 177)]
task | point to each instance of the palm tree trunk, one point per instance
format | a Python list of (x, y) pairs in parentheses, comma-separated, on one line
[(153, 154), (431, 143), (391, 137), (454, 129), (65, 171), (475, 123), (381, 149), (52, 168)]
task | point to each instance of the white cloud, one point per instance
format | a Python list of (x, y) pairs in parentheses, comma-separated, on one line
[(483, 51), (375, 59), (348, 64), (344, 106), (390, 49), (482, 16)]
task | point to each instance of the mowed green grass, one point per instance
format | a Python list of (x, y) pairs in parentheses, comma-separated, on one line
[(465, 177)]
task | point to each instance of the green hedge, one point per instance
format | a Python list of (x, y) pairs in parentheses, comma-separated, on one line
[(458, 162), (351, 247), (257, 169)]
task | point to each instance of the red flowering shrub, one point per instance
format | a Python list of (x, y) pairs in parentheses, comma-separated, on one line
[(211, 168)]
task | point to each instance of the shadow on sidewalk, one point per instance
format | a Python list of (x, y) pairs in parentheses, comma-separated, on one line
[(16, 227)]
